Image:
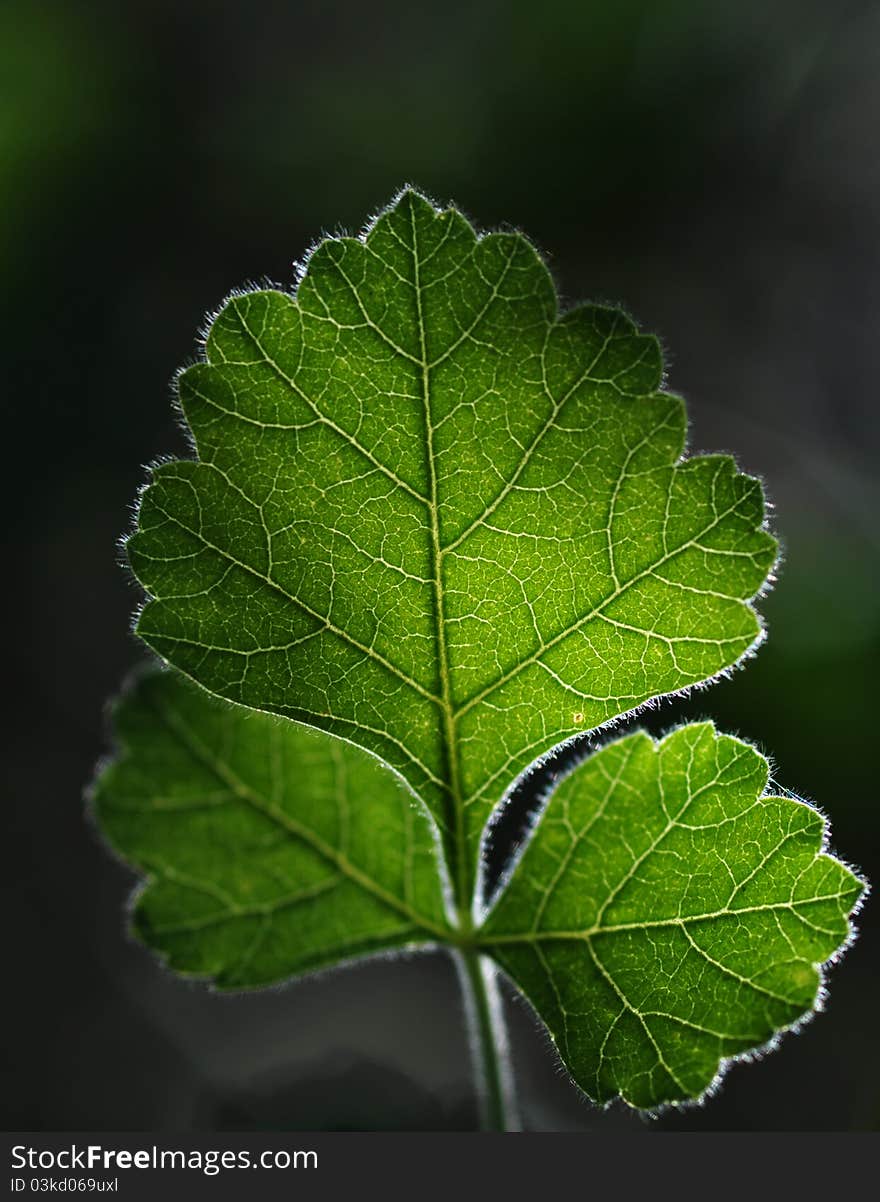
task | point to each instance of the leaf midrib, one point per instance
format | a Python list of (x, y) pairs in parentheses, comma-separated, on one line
[(456, 849), (646, 924)]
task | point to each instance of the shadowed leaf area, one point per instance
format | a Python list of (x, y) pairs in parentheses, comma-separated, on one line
[(444, 527)]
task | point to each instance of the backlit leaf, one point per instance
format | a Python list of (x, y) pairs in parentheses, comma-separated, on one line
[(269, 849), (447, 527), (668, 914), (433, 516)]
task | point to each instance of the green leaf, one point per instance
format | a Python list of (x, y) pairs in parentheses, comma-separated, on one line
[(668, 915), (446, 525), (269, 849), (433, 516)]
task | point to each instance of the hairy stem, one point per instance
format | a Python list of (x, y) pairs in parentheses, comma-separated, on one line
[(490, 1054)]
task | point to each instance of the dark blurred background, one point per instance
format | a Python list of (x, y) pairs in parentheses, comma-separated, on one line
[(715, 167)]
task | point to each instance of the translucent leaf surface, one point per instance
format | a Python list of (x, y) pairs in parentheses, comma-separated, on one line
[(269, 849), (435, 517), (447, 527), (667, 914)]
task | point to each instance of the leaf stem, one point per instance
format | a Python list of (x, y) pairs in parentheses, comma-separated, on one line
[(490, 1053)]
